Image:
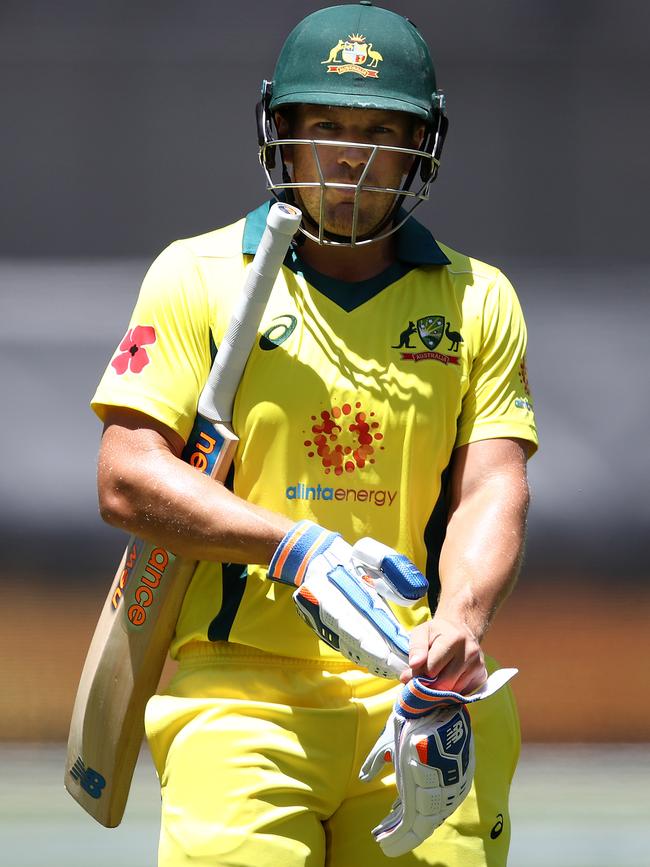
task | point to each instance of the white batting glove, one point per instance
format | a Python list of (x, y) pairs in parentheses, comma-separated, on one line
[(340, 590), (428, 737)]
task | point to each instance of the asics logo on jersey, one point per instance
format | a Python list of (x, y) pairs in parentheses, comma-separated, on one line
[(278, 333), (431, 330), (498, 827), (344, 440)]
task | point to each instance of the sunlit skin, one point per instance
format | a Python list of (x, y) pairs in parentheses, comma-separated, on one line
[(345, 165)]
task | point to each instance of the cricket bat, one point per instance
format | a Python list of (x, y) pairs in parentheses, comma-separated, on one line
[(137, 622)]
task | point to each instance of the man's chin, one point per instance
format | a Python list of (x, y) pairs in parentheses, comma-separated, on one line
[(338, 219), (341, 228)]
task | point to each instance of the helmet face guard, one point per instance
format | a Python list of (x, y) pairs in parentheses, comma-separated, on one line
[(362, 57), (425, 162)]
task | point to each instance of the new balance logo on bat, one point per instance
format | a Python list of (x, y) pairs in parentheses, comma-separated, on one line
[(90, 780)]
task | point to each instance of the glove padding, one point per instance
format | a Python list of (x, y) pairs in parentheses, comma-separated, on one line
[(340, 591), (428, 737)]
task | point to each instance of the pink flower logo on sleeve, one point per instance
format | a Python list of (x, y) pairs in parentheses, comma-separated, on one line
[(131, 354)]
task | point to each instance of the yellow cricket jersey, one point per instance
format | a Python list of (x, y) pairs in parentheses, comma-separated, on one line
[(352, 401)]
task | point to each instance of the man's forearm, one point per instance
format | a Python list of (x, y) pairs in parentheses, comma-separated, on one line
[(154, 494), (482, 553)]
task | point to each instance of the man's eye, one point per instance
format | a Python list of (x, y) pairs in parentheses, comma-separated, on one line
[(326, 124), (381, 130)]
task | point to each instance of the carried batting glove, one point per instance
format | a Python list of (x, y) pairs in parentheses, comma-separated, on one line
[(339, 594), (428, 737)]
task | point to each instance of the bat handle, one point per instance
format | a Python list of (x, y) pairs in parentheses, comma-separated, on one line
[(218, 395), (284, 218)]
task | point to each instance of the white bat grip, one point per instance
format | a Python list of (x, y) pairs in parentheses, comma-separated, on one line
[(218, 394)]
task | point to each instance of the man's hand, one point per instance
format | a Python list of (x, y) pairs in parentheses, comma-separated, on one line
[(448, 653), (340, 590), (428, 737)]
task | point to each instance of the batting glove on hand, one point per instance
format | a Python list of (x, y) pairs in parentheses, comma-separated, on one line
[(340, 589), (428, 737)]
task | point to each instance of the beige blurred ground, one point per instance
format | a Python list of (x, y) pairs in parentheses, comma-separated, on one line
[(561, 813), (582, 655)]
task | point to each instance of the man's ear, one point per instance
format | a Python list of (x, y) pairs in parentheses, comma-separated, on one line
[(283, 128), (419, 133), (281, 124)]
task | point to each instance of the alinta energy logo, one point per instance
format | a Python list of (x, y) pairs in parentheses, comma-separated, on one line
[(344, 439)]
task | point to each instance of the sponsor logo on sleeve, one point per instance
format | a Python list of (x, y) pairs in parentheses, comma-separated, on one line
[(525, 402)]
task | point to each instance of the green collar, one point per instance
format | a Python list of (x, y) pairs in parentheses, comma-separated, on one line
[(415, 246)]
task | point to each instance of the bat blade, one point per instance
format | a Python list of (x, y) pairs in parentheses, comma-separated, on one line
[(128, 651), (136, 625)]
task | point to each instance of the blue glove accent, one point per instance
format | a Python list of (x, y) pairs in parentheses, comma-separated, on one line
[(419, 697), (404, 576), (451, 739), (355, 593), (304, 541)]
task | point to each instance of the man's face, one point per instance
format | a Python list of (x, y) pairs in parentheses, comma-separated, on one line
[(344, 165)]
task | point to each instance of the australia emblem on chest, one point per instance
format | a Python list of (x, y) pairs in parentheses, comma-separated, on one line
[(421, 340)]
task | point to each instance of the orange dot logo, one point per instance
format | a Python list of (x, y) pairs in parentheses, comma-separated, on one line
[(344, 438)]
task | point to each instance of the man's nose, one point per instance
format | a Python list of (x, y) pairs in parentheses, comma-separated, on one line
[(355, 158)]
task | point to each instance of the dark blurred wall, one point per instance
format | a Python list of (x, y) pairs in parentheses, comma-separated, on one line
[(127, 125)]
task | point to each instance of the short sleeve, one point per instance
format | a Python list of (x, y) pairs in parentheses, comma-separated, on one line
[(163, 360), (498, 401)]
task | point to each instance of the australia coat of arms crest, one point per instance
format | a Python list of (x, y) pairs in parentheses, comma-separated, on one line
[(354, 54)]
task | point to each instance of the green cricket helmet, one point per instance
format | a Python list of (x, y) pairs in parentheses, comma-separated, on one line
[(355, 56)]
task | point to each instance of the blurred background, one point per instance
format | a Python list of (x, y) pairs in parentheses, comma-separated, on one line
[(128, 125)]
